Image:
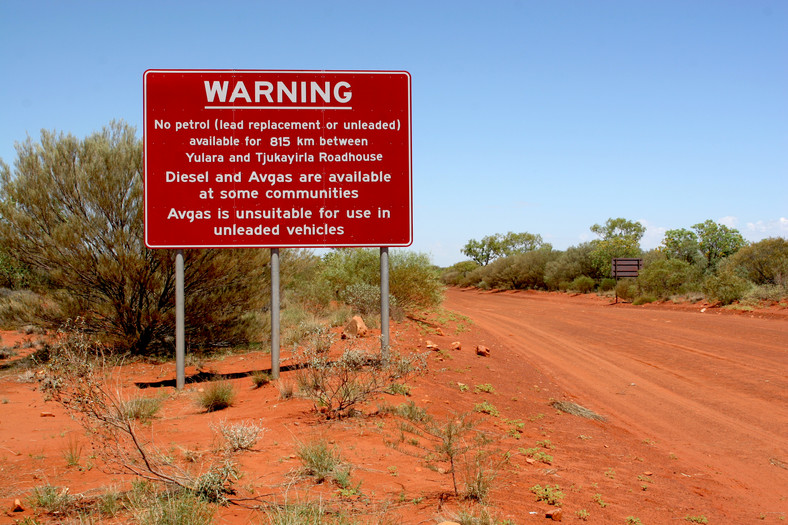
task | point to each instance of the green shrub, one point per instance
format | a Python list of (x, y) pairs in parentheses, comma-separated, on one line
[(643, 299), (479, 481), (582, 284), (764, 262), (725, 286), (337, 387), (414, 281), (450, 441), (411, 412), (458, 274), (569, 265), (14, 274), (486, 407), (607, 285), (354, 274), (550, 495), (217, 396), (521, 271), (110, 502), (626, 289), (667, 277), (216, 484)]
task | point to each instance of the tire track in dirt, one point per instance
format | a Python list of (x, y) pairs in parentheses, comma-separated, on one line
[(712, 390)]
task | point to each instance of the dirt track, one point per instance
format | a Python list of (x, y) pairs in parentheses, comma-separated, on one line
[(711, 388)]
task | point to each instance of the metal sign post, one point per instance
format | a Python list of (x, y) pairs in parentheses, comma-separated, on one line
[(384, 303), (180, 344), (275, 313)]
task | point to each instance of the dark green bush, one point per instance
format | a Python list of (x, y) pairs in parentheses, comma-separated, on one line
[(413, 280), (607, 284), (626, 289), (582, 284), (724, 285), (667, 277), (764, 262), (521, 271), (568, 265), (352, 275), (643, 299), (458, 274)]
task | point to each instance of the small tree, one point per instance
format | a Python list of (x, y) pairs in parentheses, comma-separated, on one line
[(682, 244), (482, 252), (620, 228), (619, 238), (717, 241), (492, 247), (73, 210)]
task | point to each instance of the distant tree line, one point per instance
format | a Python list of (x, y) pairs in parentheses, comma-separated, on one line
[(707, 260)]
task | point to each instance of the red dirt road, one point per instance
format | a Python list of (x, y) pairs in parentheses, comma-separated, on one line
[(711, 389)]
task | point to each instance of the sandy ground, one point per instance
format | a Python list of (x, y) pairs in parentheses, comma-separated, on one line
[(694, 405)]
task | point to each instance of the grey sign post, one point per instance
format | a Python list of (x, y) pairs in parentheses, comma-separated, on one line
[(180, 346), (275, 313), (384, 303)]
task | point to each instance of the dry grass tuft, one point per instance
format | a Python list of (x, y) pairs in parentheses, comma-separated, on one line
[(576, 410)]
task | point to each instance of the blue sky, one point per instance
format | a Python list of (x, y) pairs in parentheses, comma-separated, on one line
[(538, 116)]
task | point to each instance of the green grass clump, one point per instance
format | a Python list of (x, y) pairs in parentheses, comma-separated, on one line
[(486, 408), (217, 396), (260, 378), (303, 513), (142, 408), (548, 494), (180, 508), (537, 455), (321, 462), (52, 499)]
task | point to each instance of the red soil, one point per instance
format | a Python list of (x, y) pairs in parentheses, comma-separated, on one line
[(695, 408)]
